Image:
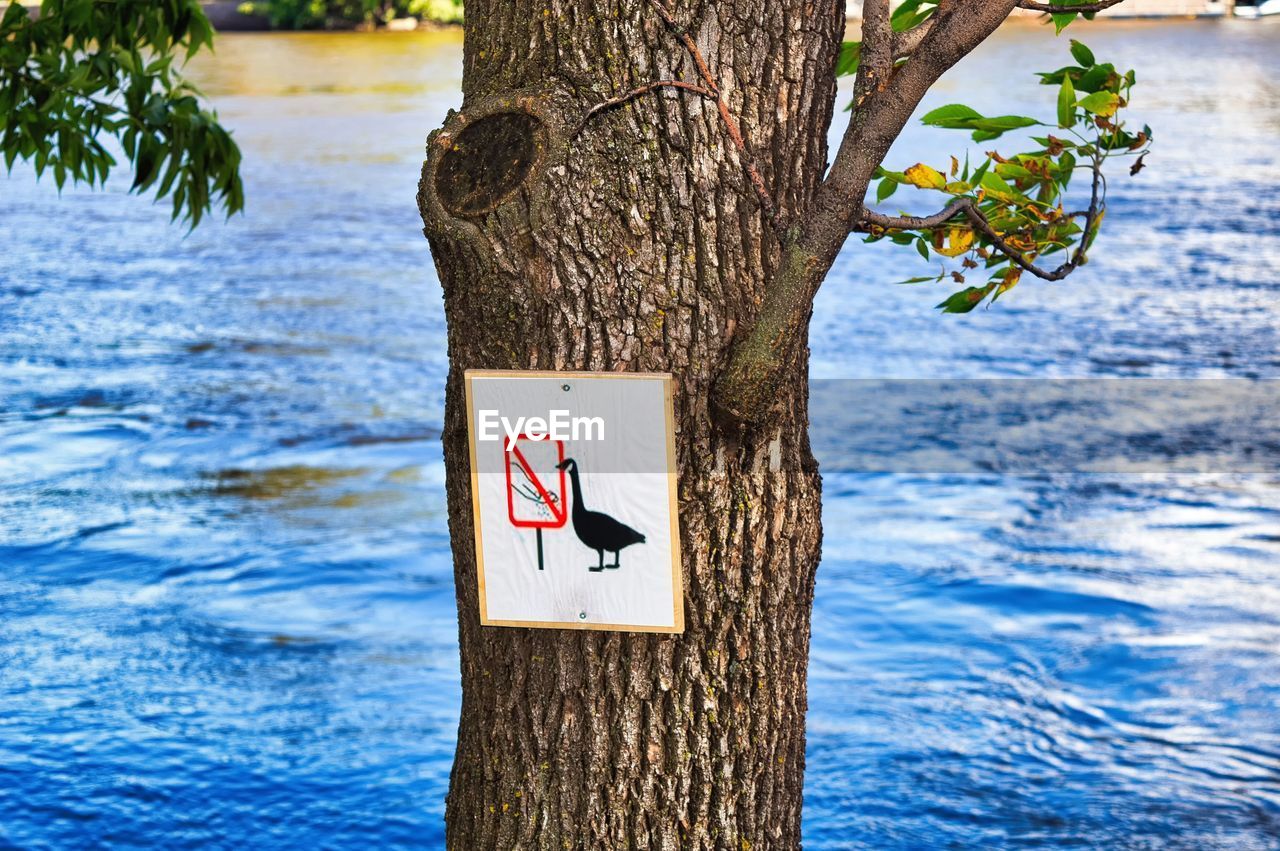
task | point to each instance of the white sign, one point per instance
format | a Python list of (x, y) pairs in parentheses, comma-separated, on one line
[(573, 491)]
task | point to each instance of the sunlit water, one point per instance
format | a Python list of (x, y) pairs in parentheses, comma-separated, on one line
[(226, 608)]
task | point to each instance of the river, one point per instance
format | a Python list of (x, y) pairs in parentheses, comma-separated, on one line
[(226, 605)]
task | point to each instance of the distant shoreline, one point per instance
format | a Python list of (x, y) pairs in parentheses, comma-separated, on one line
[(225, 15)]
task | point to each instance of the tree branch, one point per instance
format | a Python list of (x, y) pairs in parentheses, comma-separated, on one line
[(1052, 8), (952, 33), (980, 224), (875, 65), (745, 391), (969, 209), (946, 214), (637, 92), (905, 43)]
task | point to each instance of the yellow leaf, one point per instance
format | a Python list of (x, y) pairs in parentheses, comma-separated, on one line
[(953, 242), (955, 166), (1104, 104), (1011, 278), (925, 177)]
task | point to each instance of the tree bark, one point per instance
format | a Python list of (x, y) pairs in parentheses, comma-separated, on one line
[(636, 241)]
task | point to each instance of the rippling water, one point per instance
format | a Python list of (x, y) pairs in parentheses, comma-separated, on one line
[(226, 608)]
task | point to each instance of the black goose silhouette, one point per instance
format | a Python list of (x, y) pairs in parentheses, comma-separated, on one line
[(598, 531)]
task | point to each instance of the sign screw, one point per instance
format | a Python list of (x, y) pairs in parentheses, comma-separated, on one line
[(564, 387), (582, 616)]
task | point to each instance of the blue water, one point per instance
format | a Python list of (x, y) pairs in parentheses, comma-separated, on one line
[(226, 608)]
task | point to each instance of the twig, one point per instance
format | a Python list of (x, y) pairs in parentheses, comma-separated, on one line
[(979, 222), (968, 208), (880, 220), (689, 45), (637, 92), (1053, 8)]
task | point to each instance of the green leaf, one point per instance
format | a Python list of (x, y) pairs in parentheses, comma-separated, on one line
[(200, 35), (1082, 54), (951, 116), (886, 188), (1066, 104), (955, 116), (911, 13), (1055, 78), (980, 172), (922, 248), (1119, 140), (93, 69), (850, 55), (993, 128), (965, 300), (146, 168), (1093, 231), (1006, 282), (1066, 168), (1014, 171), (1061, 20), (1099, 77), (999, 189), (1005, 122), (1101, 103)]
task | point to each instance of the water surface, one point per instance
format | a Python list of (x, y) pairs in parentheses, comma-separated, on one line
[(226, 605)]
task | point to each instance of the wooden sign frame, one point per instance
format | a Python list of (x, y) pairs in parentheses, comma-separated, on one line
[(677, 574)]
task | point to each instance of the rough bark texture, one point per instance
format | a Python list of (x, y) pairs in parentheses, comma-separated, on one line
[(638, 244)]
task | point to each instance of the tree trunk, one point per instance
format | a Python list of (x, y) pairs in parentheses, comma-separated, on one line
[(636, 242)]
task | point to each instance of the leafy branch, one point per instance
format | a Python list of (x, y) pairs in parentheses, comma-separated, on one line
[(1009, 212), (84, 69)]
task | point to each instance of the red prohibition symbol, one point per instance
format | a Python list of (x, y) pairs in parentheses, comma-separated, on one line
[(533, 503)]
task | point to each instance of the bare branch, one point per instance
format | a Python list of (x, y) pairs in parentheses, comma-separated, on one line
[(1062, 9), (946, 214), (876, 62), (637, 92)]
